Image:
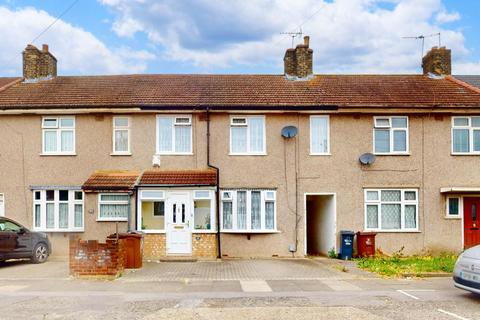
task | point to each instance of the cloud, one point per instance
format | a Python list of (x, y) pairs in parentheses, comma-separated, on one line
[(348, 36), (77, 51)]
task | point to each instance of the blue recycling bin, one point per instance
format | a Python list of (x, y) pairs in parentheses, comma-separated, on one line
[(346, 248)]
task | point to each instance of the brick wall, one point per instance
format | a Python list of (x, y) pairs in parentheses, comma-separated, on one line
[(89, 258), (38, 64), (438, 61), (154, 246), (204, 245)]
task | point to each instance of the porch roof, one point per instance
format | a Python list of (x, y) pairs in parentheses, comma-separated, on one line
[(460, 190), (196, 177), (114, 180)]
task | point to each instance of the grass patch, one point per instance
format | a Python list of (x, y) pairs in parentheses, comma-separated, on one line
[(399, 265)]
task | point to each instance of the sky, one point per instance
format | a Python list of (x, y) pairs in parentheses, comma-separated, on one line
[(238, 36)]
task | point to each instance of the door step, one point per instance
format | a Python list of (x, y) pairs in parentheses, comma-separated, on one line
[(178, 259)]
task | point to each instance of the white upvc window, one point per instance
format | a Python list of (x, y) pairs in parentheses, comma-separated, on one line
[(454, 207), (391, 209), (319, 135), (390, 135), (247, 135), (174, 134), (2, 205), (248, 211), (58, 210), (203, 210), (113, 206), (466, 135), (58, 135), (121, 136)]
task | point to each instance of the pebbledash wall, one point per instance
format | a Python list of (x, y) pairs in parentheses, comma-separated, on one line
[(428, 167)]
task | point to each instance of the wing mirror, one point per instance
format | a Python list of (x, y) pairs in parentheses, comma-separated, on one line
[(22, 231)]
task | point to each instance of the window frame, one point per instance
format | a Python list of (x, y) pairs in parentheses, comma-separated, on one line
[(247, 125), (391, 130), (121, 128), (402, 203), (2, 204), (211, 198), (72, 202), (470, 129), (174, 123), (460, 207), (58, 129), (118, 202), (248, 201), (327, 153)]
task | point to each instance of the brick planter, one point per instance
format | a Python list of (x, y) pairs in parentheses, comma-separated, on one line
[(91, 259)]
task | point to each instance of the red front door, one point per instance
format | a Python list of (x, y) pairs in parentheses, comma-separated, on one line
[(471, 221)]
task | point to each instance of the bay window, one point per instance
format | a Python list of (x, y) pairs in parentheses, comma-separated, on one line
[(247, 135), (58, 135), (58, 210), (466, 135), (390, 135), (174, 134), (248, 210), (391, 209)]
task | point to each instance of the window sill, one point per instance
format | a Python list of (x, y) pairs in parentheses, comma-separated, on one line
[(393, 154), (147, 231), (58, 230), (465, 153), (203, 231), (250, 231), (174, 154), (247, 154), (116, 154), (453, 217), (112, 220), (321, 154), (392, 231), (58, 154)]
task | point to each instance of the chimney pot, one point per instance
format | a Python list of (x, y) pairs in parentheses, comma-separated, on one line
[(306, 41), (45, 47)]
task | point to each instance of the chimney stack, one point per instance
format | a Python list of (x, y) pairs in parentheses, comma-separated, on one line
[(298, 62), (437, 61), (38, 65)]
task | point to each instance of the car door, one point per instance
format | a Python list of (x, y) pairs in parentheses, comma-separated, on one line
[(21, 237), (8, 241)]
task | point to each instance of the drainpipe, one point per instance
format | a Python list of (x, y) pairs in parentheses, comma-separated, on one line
[(129, 227), (217, 193)]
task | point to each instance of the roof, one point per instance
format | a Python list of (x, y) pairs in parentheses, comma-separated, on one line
[(4, 82), (121, 180), (176, 92), (471, 80), (198, 177)]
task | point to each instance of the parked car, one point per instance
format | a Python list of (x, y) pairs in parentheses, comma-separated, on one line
[(466, 273), (17, 242)]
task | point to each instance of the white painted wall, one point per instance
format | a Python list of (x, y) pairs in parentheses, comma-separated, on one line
[(320, 224)]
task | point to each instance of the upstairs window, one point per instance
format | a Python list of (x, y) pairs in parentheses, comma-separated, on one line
[(319, 135), (58, 210), (247, 135), (390, 135), (174, 134), (121, 135), (466, 135), (2, 205), (58, 135)]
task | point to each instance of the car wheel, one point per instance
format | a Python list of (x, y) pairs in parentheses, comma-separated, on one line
[(40, 253)]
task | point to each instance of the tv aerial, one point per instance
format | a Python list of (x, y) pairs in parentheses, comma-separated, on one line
[(293, 35), (422, 37)]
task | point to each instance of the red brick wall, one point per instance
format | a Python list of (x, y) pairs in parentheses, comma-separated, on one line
[(89, 258)]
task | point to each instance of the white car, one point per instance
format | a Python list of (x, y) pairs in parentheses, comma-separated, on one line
[(466, 273)]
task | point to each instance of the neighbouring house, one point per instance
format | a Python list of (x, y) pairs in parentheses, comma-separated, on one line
[(243, 165), (472, 80)]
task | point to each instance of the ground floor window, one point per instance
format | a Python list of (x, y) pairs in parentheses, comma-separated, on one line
[(113, 206), (391, 209), (248, 210), (203, 210), (454, 207), (58, 210)]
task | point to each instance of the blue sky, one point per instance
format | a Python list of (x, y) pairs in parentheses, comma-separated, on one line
[(233, 36)]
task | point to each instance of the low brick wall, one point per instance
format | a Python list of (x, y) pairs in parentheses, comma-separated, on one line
[(204, 245), (91, 259)]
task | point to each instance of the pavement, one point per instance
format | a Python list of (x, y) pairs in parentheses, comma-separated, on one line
[(230, 289)]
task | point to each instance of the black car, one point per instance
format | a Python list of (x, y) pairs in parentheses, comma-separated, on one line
[(17, 242)]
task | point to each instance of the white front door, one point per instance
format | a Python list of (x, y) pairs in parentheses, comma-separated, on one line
[(179, 234)]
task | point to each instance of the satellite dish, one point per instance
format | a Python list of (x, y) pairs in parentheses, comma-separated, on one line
[(289, 132), (367, 158)]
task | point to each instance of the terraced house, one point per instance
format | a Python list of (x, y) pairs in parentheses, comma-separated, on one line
[(243, 165)]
